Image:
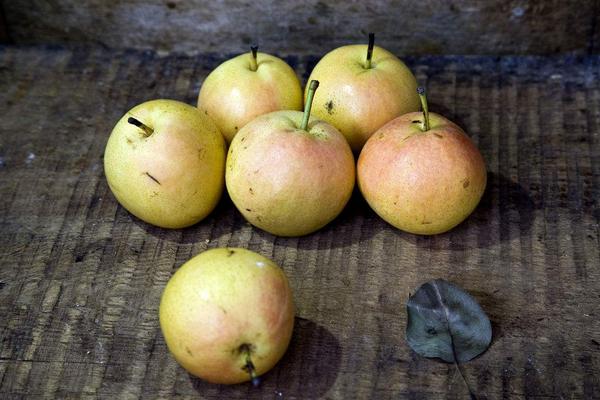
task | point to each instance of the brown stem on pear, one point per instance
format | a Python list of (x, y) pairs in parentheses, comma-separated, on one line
[(249, 366), (253, 60), (423, 97), (147, 130), (312, 88), (370, 50)]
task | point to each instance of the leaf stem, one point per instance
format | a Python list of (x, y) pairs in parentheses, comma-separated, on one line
[(370, 50), (147, 130), (471, 394), (423, 97), (253, 59), (447, 315), (312, 88)]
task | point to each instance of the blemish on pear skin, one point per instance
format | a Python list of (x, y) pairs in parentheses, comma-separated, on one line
[(153, 178), (187, 349), (438, 135), (251, 191), (466, 183), (230, 252), (236, 128), (249, 210), (416, 121), (424, 222), (329, 107)]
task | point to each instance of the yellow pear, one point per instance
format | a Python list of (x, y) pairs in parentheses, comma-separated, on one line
[(421, 173), (288, 174), (164, 162), (362, 88), (227, 315), (247, 86)]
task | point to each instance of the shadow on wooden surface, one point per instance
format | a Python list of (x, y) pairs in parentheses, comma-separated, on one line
[(490, 223), (307, 370), (503, 201), (224, 219)]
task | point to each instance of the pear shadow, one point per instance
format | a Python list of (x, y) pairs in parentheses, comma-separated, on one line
[(224, 219), (356, 223), (505, 212), (307, 370)]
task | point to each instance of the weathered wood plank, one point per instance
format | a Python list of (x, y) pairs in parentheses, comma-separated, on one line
[(411, 27), (80, 278)]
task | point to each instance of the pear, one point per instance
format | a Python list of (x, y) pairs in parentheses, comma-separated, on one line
[(362, 88), (247, 86), (164, 162), (290, 174), (227, 315), (421, 173)]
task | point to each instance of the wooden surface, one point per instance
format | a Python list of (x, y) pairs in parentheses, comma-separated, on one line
[(407, 27), (80, 278)]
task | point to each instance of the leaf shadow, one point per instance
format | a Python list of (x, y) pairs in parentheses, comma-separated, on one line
[(307, 370), (505, 212)]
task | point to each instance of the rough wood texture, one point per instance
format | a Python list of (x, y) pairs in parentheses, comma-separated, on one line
[(409, 27), (80, 278)]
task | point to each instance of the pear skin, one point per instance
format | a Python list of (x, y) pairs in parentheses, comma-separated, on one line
[(421, 182)]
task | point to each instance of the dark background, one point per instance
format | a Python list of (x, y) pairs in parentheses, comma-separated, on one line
[(410, 27)]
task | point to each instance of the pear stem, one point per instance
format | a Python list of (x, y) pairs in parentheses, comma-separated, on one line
[(249, 367), (370, 50), (253, 59), (147, 130), (423, 97), (309, 99)]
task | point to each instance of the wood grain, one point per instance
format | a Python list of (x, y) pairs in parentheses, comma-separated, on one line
[(409, 27), (80, 278)]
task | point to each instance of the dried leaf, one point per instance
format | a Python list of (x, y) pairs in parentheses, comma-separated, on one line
[(446, 322)]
